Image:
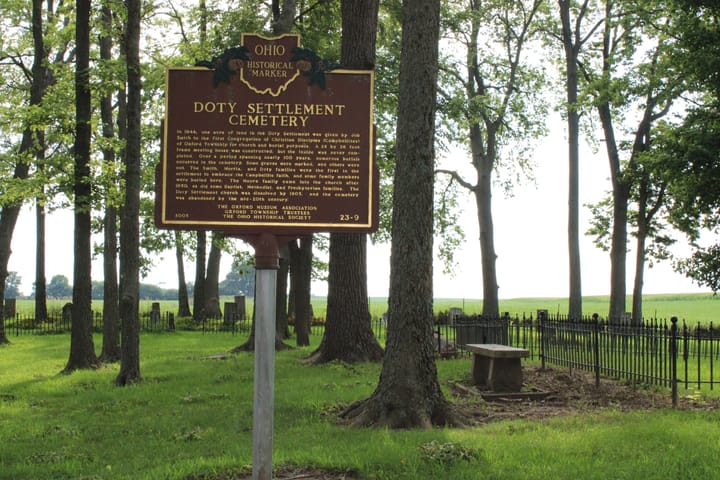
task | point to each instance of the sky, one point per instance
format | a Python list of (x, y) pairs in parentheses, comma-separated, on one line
[(530, 241)]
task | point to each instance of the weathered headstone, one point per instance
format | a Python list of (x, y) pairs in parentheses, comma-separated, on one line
[(10, 307), (240, 307), (455, 313), (230, 314), (67, 314), (155, 314)]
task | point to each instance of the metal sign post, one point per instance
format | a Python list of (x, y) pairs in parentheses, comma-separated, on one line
[(267, 142), (266, 265)]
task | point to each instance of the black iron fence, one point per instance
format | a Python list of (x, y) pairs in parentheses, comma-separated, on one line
[(152, 321), (653, 352)]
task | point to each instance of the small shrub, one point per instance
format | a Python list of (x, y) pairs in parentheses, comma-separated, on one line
[(446, 453)]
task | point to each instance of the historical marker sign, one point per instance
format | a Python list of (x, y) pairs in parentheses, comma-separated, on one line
[(270, 143)]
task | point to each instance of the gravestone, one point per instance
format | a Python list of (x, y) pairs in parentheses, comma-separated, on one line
[(67, 314), (230, 314), (10, 307), (155, 314), (240, 306), (455, 313)]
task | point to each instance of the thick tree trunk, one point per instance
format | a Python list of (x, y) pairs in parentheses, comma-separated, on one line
[(129, 222), (212, 277), (488, 257), (348, 335), (621, 194), (300, 279), (573, 123), (282, 329), (40, 279), (408, 394), (82, 348), (199, 289), (111, 297), (183, 299)]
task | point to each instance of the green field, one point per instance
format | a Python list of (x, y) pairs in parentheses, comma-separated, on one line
[(191, 419), (703, 308)]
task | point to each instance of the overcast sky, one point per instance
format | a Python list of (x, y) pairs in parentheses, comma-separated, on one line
[(530, 241)]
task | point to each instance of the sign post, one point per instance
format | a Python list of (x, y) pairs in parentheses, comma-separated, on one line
[(267, 142)]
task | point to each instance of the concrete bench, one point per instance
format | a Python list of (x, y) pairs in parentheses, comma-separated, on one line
[(497, 366)]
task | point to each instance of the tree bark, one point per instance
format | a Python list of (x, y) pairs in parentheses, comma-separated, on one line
[(183, 299), (130, 215), (483, 200), (212, 277), (199, 289), (111, 299), (348, 335), (41, 312), (300, 279), (408, 394), (282, 330), (571, 47), (82, 348)]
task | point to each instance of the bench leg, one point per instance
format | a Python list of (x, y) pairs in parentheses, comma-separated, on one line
[(505, 375), (481, 369)]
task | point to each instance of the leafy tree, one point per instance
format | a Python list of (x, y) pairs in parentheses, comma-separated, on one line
[(129, 221), (408, 393), (348, 336), (239, 280), (59, 287), (82, 348), (572, 37), (494, 96), (111, 304), (12, 285), (646, 92), (30, 144)]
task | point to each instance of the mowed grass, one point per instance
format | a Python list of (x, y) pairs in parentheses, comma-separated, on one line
[(191, 418), (694, 308)]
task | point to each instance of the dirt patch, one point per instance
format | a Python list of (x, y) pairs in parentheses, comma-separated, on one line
[(550, 393), (564, 392)]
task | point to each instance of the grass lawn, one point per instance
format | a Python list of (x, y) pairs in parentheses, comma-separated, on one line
[(697, 307), (191, 418)]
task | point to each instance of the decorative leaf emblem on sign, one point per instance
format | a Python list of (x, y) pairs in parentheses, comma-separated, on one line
[(227, 64), (312, 65)]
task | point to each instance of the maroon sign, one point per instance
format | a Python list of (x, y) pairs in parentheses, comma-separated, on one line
[(268, 148)]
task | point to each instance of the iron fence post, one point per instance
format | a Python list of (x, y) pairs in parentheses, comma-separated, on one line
[(596, 349), (541, 329), (673, 361)]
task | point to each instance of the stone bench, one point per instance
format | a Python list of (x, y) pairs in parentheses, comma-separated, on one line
[(497, 366)]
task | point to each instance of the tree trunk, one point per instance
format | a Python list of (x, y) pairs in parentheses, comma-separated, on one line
[(621, 195), (9, 213), (483, 200), (41, 313), (348, 335), (111, 302), (82, 348), (573, 123), (130, 214), (300, 279), (408, 394), (282, 330), (212, 277), (199, 290), (183, 299)]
